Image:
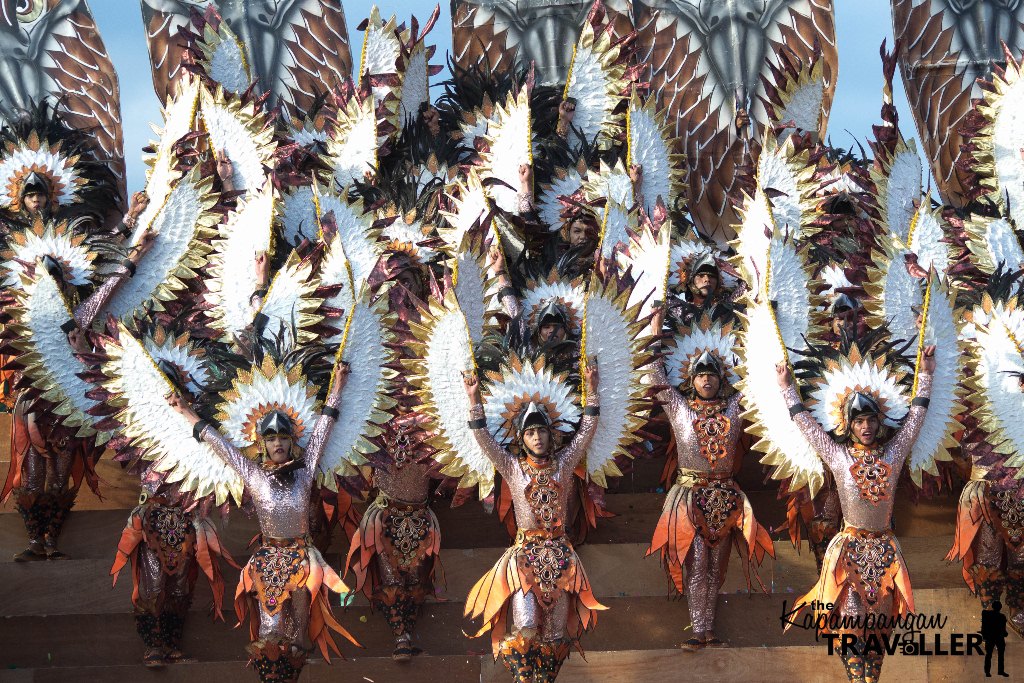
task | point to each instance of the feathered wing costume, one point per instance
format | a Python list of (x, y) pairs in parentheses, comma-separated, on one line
[(282, 592), (43, 268), (705, 511), (989, 533), (989, 538), (168, 540)]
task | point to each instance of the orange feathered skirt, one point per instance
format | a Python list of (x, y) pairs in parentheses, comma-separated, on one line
[(541, 562), (868, 563), (177, 539), (405, 536), (717, 510), (275, 570)]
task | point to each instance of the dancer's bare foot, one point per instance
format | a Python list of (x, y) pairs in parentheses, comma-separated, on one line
[(33, 553), (403, 649), (153, 658)]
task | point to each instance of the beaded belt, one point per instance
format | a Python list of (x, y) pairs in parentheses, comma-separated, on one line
[(867, 533), (529, 534), (301, 541), (688, 477), (384, 501)]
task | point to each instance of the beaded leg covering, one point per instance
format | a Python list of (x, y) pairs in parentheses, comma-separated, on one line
[(400, 606), (35, 509), (521, 656), (276, 662), (853, 662), (148, 627), (551, 655), (873, 666), (988, 582), (172, 620), (63, 501)]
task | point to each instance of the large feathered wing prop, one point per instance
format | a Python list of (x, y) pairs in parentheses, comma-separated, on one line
[(34, 314), (57, 240), (998, 365), (53, 51), (290, 309), (706, 60), (509, 140), (357, 232), (136, 388), (295, 50), (649, 260), (653, 145), (184, 226), (238, 130), (946, 46), (366, 345), (475, 290), (776, 319), (231, 279), (443, 351), (940, 318), (598, 82), (612, 337), (352, 145)]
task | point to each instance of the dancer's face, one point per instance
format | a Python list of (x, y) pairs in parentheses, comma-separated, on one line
[(864, 429), (35, 201), (552, 332), (707, 385), (705, 284), (537, 440), (577, 233), (409, 280), (279, 448), (841, 322)]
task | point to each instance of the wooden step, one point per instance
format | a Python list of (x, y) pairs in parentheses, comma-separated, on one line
[(808, 664), (630, 623)]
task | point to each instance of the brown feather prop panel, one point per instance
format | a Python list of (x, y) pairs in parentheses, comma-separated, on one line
[(297, 49), (707, 60), (504, 33), (945, 46)]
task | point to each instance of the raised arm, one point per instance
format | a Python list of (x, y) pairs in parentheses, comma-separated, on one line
[(669, 397), (509, 301), (823, 444), (88, 310), (324, 424), (577, 448), (904, 439), (262, 269), (525, 195), (499, 457), (248, 470)]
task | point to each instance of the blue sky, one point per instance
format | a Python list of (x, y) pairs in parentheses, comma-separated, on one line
[(862, 25)]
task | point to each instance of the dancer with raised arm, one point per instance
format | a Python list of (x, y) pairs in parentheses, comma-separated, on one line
[(864, 576), (705, 507), (540, 579), (285, 582)]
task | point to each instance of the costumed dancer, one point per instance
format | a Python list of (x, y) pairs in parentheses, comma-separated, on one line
[(990, 516), (394, 554), (283, 588), (865, 462), (540, 579), (44, 453), (167, 546), (168, 539), (705, 511)]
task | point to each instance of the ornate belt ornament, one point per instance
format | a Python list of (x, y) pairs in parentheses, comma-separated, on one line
[(1011, 515), (717, 502), (406, 530), (870, 558)]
